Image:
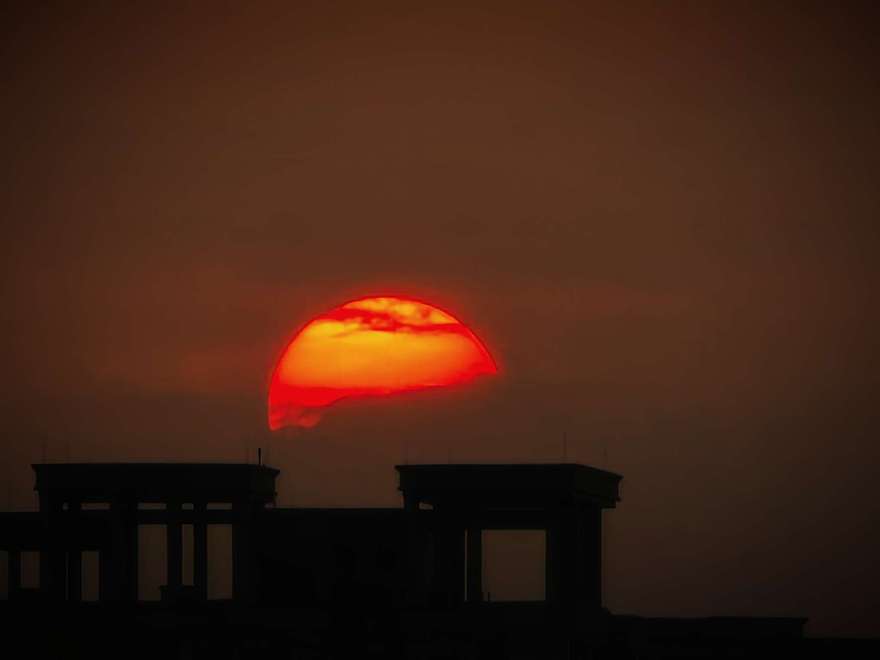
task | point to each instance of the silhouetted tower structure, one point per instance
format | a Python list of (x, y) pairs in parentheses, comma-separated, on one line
[(564, 500), (343, 581)]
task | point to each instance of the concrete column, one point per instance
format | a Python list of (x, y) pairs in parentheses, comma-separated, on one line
[(174, 550), (106, 584), (74, 552), (124, 559), (550, 543), (474, 564), (46, 549), (449, 560), (52, 556), (413, 580), (243, 588), (13, 563), (200, 550), (591, 556)]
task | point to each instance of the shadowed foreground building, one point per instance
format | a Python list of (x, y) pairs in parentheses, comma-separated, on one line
[(336, 583)]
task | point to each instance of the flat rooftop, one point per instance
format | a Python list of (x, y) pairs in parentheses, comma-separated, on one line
[(491, 485), (156, 482)]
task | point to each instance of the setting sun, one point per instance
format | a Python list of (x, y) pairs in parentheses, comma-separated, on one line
[(371, 347)]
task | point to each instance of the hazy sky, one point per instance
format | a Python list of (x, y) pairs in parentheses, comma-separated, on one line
[(660, 219)]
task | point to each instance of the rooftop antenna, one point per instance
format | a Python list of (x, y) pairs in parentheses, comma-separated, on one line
[(259, 455)]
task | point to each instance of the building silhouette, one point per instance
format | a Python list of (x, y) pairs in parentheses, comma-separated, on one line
[(338, 583)]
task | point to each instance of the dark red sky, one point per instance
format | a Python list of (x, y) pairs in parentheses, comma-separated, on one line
[(661, 220)]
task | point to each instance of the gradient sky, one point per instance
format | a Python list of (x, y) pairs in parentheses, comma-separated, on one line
[(661, 220)]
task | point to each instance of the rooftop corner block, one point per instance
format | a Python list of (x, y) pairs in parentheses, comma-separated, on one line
[(67, 529), (564, 500), (155, 482)]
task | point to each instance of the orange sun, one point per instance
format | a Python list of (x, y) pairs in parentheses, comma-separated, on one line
[(371, 347)]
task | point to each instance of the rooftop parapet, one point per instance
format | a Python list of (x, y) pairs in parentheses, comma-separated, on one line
[(156, 482), (511, 485)]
